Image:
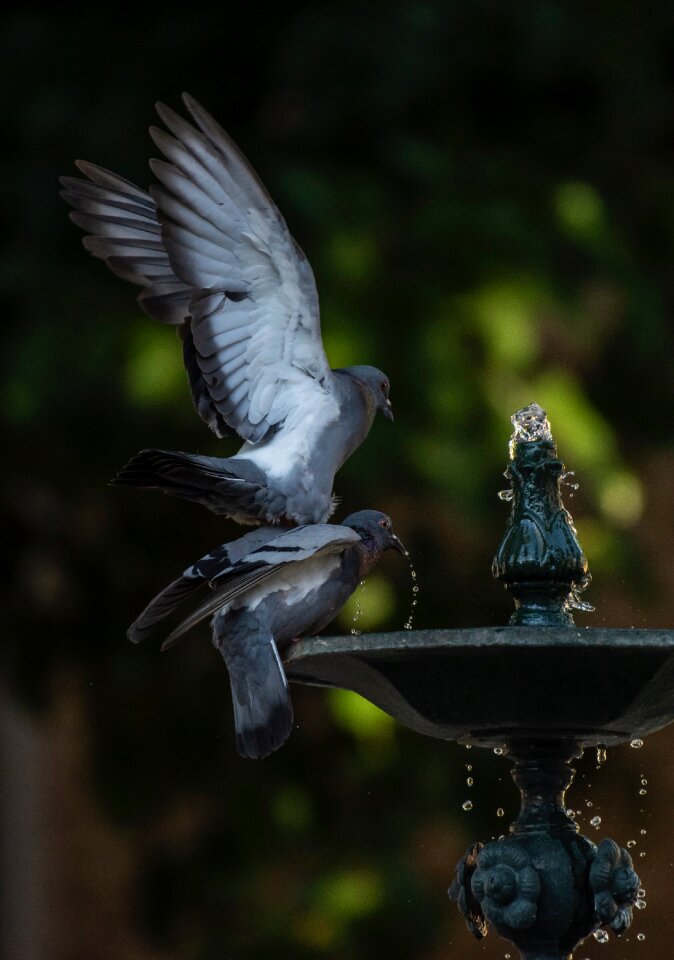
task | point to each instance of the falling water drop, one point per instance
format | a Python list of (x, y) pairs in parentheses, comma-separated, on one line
[(641, 936), (506, 495), (500, 812), (644, 781), (469, 781), (601, 936), (641, 893), (498, 751), (467, 805), (643, 792), (640, 904), (468, 746), (643, 853), (469, 767), (631, 843), (643, 832), (601, 756), (636, 744), (588, 803), (415, 592), (595, 822), (358, 613)]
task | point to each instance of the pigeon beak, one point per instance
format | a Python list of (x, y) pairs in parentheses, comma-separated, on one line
[(388, 411), (398, 545)]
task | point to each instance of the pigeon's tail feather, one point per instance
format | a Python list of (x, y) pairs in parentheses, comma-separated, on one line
[(204, 480), (257, 737), (162, 607), (263, 712)]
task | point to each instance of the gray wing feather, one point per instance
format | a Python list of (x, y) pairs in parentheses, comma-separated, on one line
[(123, 230), (224, 236), (262, 563)]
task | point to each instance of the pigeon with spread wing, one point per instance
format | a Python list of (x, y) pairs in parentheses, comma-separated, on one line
[(215, 258), (269, 588)]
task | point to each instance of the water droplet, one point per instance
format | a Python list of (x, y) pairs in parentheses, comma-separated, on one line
[(641, 936), (498, 751), (642, 854), (644, 781), (588, 803), (631, 843), (506, 495), (469, 781), (469, 767), (601, 936), (641, 893), (467, 805), (642, 832), (642, 792), (500, 812), (601, 755), (596, 822), (640, 904), (571, 813), (415, 590), (636, 744)]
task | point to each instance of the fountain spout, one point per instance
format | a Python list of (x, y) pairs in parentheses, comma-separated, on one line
[(539, 560)]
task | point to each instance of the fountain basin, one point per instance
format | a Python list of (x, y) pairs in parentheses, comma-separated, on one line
[(489, 686)]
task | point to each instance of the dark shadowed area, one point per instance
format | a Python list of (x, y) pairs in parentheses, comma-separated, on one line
[(486, 193)]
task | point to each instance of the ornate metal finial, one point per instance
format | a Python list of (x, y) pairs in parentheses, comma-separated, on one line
[(539, 560)]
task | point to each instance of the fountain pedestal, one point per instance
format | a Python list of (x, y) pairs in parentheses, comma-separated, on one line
[(541, 690)]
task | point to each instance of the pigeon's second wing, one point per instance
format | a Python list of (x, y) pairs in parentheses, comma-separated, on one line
[(262, 563), (122, 229), (255, 321)]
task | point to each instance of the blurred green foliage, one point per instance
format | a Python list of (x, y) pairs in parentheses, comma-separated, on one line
[(485, 191)]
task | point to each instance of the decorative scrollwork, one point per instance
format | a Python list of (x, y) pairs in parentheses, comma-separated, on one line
[(614, 883), (460, 891), (506, 886)]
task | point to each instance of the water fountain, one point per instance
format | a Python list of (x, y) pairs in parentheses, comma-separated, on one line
[(539, 690)]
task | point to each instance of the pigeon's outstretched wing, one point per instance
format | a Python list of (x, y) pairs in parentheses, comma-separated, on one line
[(213, 251), (197, 575), (269, 559)]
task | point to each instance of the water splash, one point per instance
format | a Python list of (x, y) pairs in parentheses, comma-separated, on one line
[(565, 481), (574, 600), (415, 592), (529, 423), (358, 612)]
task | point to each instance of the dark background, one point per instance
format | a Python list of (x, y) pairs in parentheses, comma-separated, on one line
[(486, 193)]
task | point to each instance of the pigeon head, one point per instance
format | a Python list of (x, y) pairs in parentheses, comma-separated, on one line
[(376, 386), (375, 530)]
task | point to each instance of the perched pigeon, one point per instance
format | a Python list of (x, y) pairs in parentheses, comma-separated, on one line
[(216, 259), (269, 588)]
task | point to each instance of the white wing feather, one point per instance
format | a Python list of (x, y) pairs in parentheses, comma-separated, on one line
[(255, 318)]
